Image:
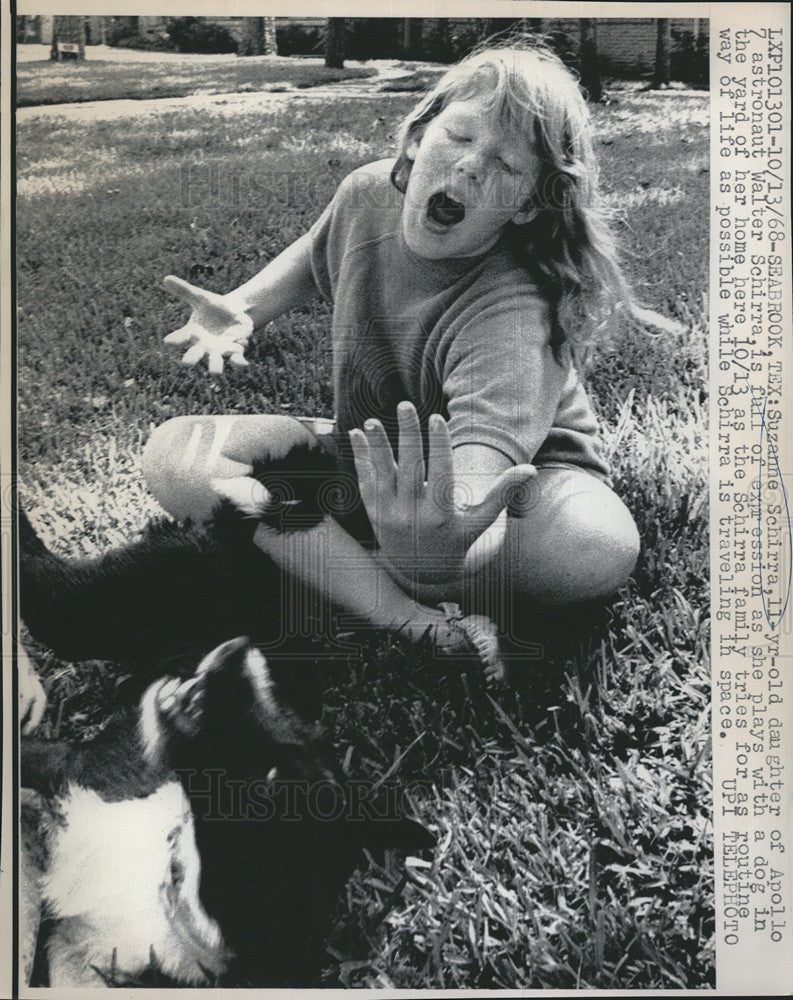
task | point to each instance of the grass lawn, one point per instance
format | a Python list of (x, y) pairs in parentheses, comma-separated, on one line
[(99, 80), (574, 815)]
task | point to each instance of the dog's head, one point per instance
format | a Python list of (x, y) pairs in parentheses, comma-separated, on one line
[(278, 826)]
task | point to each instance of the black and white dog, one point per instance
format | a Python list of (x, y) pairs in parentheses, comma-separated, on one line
[(207, 830), (180, 587)]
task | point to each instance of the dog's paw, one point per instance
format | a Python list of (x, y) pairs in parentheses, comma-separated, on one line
[(180, 705), (245, 494)]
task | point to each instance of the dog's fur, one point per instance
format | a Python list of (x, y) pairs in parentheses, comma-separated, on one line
[(138, 864), (170, 596), (130, 867)]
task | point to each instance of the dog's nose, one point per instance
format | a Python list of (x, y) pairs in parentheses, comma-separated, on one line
[(226, 655)]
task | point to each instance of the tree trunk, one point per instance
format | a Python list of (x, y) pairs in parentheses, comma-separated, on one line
[(590, 65), (412, 31), (252, 38), (258, 36), (68, 30), (334, 43), (444, 39), (662, 51), (702, 35), (268, 32)]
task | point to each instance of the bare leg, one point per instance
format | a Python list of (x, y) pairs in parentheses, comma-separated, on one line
[(186, 455), (333, 563), (571, 540)]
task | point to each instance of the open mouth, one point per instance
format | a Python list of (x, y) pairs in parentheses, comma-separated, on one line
[(443, 210)]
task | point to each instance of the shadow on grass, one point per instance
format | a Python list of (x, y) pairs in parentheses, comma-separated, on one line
[(96, 80)]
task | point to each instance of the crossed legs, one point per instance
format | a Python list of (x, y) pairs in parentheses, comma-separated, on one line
[(568, 539)]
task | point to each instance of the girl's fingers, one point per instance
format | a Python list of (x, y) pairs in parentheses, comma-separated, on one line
[(410, 468), (440, 472), (215, 361), (382, 456), (180, 336), (195, 354), (32, 715), (32, 696), (499, 496), (363, 466)]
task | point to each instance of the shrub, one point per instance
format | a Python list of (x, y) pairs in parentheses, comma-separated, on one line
[(436, 44), (124, 33), (299, 39), (566, 45), (373, 37), (195, 34), (449, 43), (381, 38), (121, 28)]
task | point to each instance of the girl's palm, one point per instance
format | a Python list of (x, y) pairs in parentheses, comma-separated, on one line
[(216, 328), (421, 523)]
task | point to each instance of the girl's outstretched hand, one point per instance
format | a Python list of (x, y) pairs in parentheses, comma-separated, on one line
[(423, 524), (216, 327)]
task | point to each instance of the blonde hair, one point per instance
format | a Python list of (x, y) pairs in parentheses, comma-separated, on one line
[(568, 244)]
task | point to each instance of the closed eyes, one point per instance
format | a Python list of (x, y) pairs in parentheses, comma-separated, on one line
[(464, 139)]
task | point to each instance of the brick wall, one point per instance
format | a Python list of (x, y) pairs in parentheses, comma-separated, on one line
[(627, 44)]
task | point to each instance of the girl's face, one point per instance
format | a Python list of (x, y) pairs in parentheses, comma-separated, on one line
[(470, 177)]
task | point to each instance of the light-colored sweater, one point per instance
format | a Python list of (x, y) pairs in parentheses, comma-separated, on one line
[(468, 338)]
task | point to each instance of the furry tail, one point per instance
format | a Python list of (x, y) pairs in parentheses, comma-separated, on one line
[(178, 588)]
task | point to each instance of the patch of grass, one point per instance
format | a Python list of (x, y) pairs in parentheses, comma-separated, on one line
[(573, 815), (100, 80)]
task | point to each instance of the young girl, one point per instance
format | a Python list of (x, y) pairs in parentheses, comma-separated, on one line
[(461, 274)]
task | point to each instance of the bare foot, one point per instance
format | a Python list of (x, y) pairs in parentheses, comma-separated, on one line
[(453, 634)]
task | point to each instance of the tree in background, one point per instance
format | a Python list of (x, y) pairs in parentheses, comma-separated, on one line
[(505, 26), (702, 37), (412, 31), (68, 30), (334, 43), (258, 37), (590, 63), (663, 44)]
